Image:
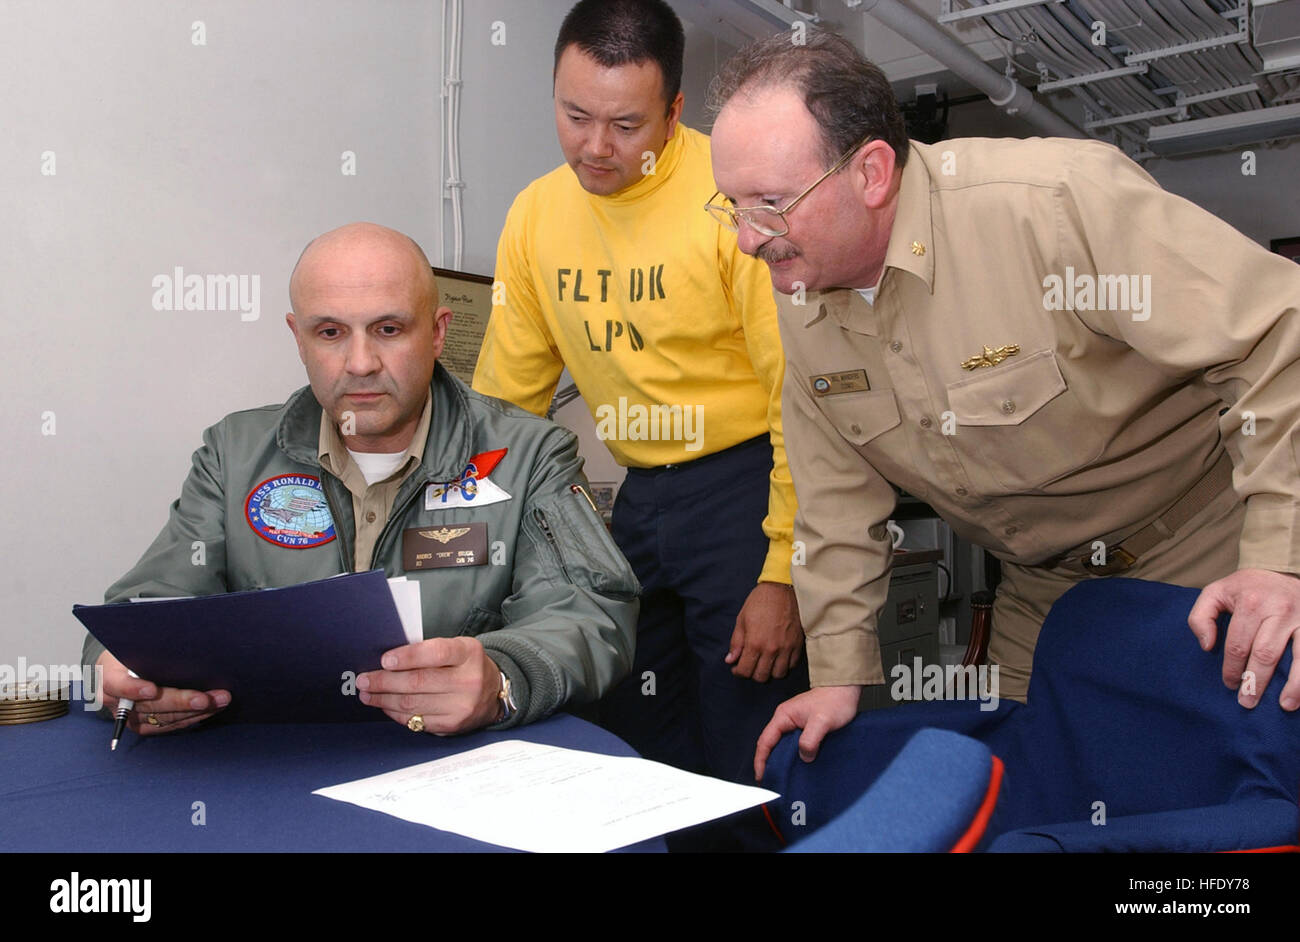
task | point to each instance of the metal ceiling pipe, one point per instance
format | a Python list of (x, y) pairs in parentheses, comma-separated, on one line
[(1003, 92)]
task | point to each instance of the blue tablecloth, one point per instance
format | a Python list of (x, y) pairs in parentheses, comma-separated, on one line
[(62, 790)]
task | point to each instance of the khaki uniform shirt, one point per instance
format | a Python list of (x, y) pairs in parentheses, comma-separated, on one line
[(371, 503), (1137, 317)]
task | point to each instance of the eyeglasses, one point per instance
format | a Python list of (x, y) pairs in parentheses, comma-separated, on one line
[(769, 220)]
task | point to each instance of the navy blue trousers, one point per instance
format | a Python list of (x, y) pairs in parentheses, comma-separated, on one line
[(693, 534)]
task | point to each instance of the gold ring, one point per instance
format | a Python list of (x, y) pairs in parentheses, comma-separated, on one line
[(416, 723), (152, 720)]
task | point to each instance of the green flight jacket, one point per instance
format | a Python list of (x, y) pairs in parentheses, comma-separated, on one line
[(555, 606)]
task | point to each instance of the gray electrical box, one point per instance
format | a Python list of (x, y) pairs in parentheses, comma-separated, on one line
[(909, 622)]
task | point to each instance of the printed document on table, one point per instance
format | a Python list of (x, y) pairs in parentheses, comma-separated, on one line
[(547, 799)]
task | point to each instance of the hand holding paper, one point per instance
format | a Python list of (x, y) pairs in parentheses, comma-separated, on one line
[(173, 709), (450, 682)]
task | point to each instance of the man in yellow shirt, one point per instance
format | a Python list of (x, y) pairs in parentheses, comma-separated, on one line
[(610, 268)]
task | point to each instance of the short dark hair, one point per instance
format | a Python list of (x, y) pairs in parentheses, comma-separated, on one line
[(627, 32), (848, 96)]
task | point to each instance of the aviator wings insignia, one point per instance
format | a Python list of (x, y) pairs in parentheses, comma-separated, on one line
[(444, 535)]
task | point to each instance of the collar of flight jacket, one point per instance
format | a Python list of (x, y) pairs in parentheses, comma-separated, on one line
[(450, 444), (913, 228)]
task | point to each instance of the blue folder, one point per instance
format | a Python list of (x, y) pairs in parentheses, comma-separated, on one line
[(289, 654)]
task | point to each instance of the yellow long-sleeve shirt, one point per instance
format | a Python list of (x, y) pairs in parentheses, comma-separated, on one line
[(667, 328)]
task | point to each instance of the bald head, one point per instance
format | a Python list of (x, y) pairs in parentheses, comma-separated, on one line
[(361, 254), (369, 331)]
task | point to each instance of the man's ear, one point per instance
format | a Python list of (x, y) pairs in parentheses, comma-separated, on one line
[(875, 164), (441, 320), (293, 326), (674, 115)]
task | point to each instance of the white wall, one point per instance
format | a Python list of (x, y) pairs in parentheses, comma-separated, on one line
[(220, 158), (507, 124), (1264, 205)]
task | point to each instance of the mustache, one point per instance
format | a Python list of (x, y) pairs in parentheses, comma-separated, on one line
[(771, 255)]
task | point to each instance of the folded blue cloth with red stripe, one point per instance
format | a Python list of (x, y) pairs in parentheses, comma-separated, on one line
[(1129, 741)]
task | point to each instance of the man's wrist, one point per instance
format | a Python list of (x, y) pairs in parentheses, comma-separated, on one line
[(778, 561), (506, 707)]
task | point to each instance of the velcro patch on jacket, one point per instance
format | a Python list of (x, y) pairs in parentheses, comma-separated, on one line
[(290, 510), (472, 488), (482, 464)]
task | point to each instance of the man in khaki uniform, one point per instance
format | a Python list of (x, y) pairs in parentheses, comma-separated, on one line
[(1033, 337)]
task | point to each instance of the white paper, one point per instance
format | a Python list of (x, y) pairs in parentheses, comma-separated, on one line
[(547, 799), (406, 597)]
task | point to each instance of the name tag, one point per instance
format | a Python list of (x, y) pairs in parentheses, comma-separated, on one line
[(443, 547), (847, 381)]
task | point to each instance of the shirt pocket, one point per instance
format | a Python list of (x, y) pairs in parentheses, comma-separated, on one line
[(1021, 425), (861, 416)]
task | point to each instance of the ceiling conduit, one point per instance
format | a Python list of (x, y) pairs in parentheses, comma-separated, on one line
[(1003, 92)]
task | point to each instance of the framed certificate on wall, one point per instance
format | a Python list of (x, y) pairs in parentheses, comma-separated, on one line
[(470, 299)]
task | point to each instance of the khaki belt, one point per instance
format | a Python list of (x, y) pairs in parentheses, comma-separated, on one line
[(1198, 497)]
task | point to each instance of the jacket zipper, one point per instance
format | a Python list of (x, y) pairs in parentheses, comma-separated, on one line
[(550, 538)]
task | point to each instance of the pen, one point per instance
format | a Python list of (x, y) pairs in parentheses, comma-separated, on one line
[(124, 706)]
